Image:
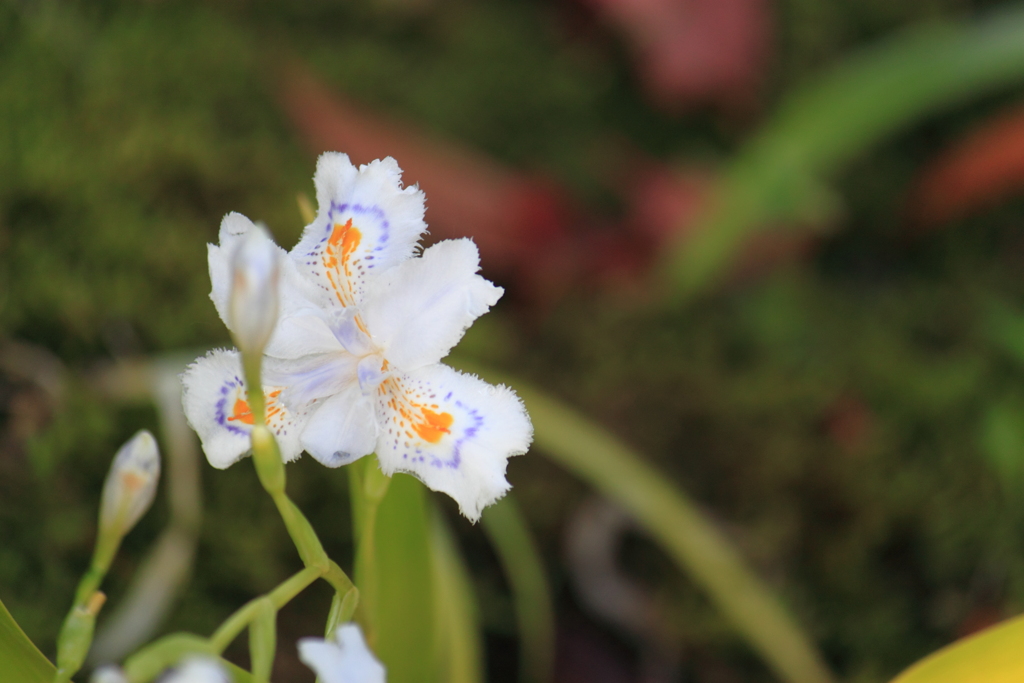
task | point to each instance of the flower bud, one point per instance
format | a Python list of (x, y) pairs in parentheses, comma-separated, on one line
[(253, 303), (130, 486)]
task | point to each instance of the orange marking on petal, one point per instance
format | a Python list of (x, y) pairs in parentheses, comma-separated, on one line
[(342, 243), (241, 412), (132, 481), (434, 425), (349, 237)]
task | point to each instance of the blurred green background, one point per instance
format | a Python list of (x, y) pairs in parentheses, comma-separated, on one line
[(847, 404)]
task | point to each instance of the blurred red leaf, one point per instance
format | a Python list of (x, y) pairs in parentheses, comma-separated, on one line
[(665, 208), (516, 220), (980, 618), (527, 230), (665, 201), (849, 422), (696, 51), (979, 171)]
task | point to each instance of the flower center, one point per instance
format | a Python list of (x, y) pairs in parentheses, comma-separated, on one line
[(371, 371)]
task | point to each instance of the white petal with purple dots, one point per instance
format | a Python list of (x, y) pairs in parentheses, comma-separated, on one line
[(217, 407), (454, 431), (366, 223)]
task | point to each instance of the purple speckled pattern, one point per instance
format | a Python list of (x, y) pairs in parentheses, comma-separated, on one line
[(373, 225), (468, 433), (362, 210), (222, 403), (335, 214), (467, 423)]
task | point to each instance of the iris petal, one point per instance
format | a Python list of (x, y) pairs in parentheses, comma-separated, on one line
[(216, 405), (367, 222), (420, 309), (455, 432)]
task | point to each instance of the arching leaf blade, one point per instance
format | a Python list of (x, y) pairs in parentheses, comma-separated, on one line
[(673, 520), (524, 569), (781, 176), (20, 660)]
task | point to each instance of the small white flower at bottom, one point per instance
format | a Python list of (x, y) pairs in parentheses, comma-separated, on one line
[(108, 673), (345, 659), (198, 670)]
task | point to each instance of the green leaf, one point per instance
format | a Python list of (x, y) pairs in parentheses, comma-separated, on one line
[(1004, 328), (20, 660), (1002, 441), (396, 586), (505, 527), (457, 628), (994, 655), (667, 514), (779, 177)]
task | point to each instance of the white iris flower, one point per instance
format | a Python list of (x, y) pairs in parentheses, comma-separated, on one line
[(345, 659), (352, 366)]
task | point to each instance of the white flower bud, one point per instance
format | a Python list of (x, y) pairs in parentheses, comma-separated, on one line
[(108, 673), (131, 485), (253, 303), (198, 670)]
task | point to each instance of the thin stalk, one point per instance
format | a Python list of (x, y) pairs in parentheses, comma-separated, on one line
[(76, 632), (244, 616), (368, 487), (270, 469)]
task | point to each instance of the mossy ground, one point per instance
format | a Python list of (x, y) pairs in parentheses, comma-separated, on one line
[(849, 419)]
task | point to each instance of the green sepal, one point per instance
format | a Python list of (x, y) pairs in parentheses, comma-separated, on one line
[(74, 641)]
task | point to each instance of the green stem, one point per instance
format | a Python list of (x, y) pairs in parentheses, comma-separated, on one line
[(307, 543), (257, 402), (266, 455), (76, 632), (279, 597), (263, 641), (153, 660), (368, 487)]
